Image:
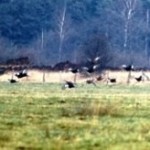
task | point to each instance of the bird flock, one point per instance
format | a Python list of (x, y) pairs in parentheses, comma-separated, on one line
[(87, 70), (93, 80)]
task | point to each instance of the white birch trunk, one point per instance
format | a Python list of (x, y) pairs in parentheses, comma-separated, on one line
[(128, 14), (146, 38), (42, 48), (61, 33)]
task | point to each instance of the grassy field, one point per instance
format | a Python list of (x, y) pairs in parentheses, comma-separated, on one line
[(44, 117)]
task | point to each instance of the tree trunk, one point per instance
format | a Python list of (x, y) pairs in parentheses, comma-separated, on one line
[(129, 77), (44, 76), (128, 14), (42, 47), (61, 33), (125, 36), (146, 38)]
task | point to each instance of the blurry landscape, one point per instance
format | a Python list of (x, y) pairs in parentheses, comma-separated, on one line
[(74, 74)]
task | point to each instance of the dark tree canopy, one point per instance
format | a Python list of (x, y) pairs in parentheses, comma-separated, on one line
[(97, 46), (21, 21)]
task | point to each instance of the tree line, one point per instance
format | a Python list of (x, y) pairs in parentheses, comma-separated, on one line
[(50, 31)]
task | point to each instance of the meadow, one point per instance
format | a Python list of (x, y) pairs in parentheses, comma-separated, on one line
[(42, 116)]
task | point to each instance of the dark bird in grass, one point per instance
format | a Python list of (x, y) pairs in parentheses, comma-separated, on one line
[(128, 68), (12, 81), (99, 78), (138, 79), (91, 81), (68, 84), (21, 74), (111, 80)]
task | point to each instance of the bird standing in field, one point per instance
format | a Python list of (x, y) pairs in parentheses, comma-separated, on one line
[(12, 81), (68, 84), (138, 79), (112, 80)]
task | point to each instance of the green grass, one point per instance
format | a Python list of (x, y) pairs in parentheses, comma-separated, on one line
[(43, 117)]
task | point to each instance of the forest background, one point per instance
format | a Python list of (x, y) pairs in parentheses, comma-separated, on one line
[(51, 31)]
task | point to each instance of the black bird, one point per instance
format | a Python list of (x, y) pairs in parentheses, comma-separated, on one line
[(12, 80), (68, 84), (128, 68), (111, 80), (21, 74), (138, 79), (74, 70)]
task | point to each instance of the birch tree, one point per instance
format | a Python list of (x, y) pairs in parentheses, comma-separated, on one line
[(128, 12), (146, 5), (147, 26), (61, 30), (65, 30)]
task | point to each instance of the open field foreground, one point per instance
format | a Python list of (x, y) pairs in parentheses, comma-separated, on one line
[(43, 117)]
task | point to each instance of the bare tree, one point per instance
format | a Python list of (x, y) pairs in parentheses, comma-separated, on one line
[(42, 47), (64, 30), (61, 31), (128, 12), (146, 38)]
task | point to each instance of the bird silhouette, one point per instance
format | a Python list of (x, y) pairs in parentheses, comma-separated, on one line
[(74, 70), (68, 84), (111, 80), (138, 79), (128, 68), (12, 80), (21, 74)]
